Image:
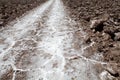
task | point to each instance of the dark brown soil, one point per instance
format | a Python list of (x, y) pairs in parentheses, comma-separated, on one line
[(10, 9), (101, 20), (8, 75)]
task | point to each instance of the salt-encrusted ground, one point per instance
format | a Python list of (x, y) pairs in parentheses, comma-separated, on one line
[(42, 45)]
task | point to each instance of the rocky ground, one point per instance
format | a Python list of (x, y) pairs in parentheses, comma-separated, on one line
[(10, 9), (100, 19)]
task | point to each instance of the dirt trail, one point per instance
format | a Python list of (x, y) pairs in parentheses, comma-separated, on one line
[(39, 46)]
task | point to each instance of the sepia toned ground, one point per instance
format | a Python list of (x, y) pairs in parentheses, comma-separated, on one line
[(60, 40)]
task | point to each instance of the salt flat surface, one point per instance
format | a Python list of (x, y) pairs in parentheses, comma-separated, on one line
[(39, 46)]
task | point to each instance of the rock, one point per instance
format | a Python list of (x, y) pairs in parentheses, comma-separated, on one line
[(97, 25), (87, 18), (117, 44), (88, 40), (1, 23), (117, 36), (112, 69), (106, 36), (111, 34), (116, 19), (113, 55)]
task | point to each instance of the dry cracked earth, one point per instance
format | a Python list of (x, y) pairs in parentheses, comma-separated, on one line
[(60, 40)]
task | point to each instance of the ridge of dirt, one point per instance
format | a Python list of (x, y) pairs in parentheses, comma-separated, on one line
[(100, 19), (11, 9)]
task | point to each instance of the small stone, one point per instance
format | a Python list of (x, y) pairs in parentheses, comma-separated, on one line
[(106, 36), (97, 25), (1, 23), (117, 36)]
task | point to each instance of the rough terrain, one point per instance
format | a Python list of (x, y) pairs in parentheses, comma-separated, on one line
[(62, 40), (100, 19)]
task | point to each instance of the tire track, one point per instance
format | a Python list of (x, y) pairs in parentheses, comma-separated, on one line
[(9, 57)]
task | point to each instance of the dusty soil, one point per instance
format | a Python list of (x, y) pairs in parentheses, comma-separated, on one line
[(11, 9), (100, 19)]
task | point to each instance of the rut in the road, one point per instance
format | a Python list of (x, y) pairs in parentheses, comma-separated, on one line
[(19, 32), (39, 46)]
